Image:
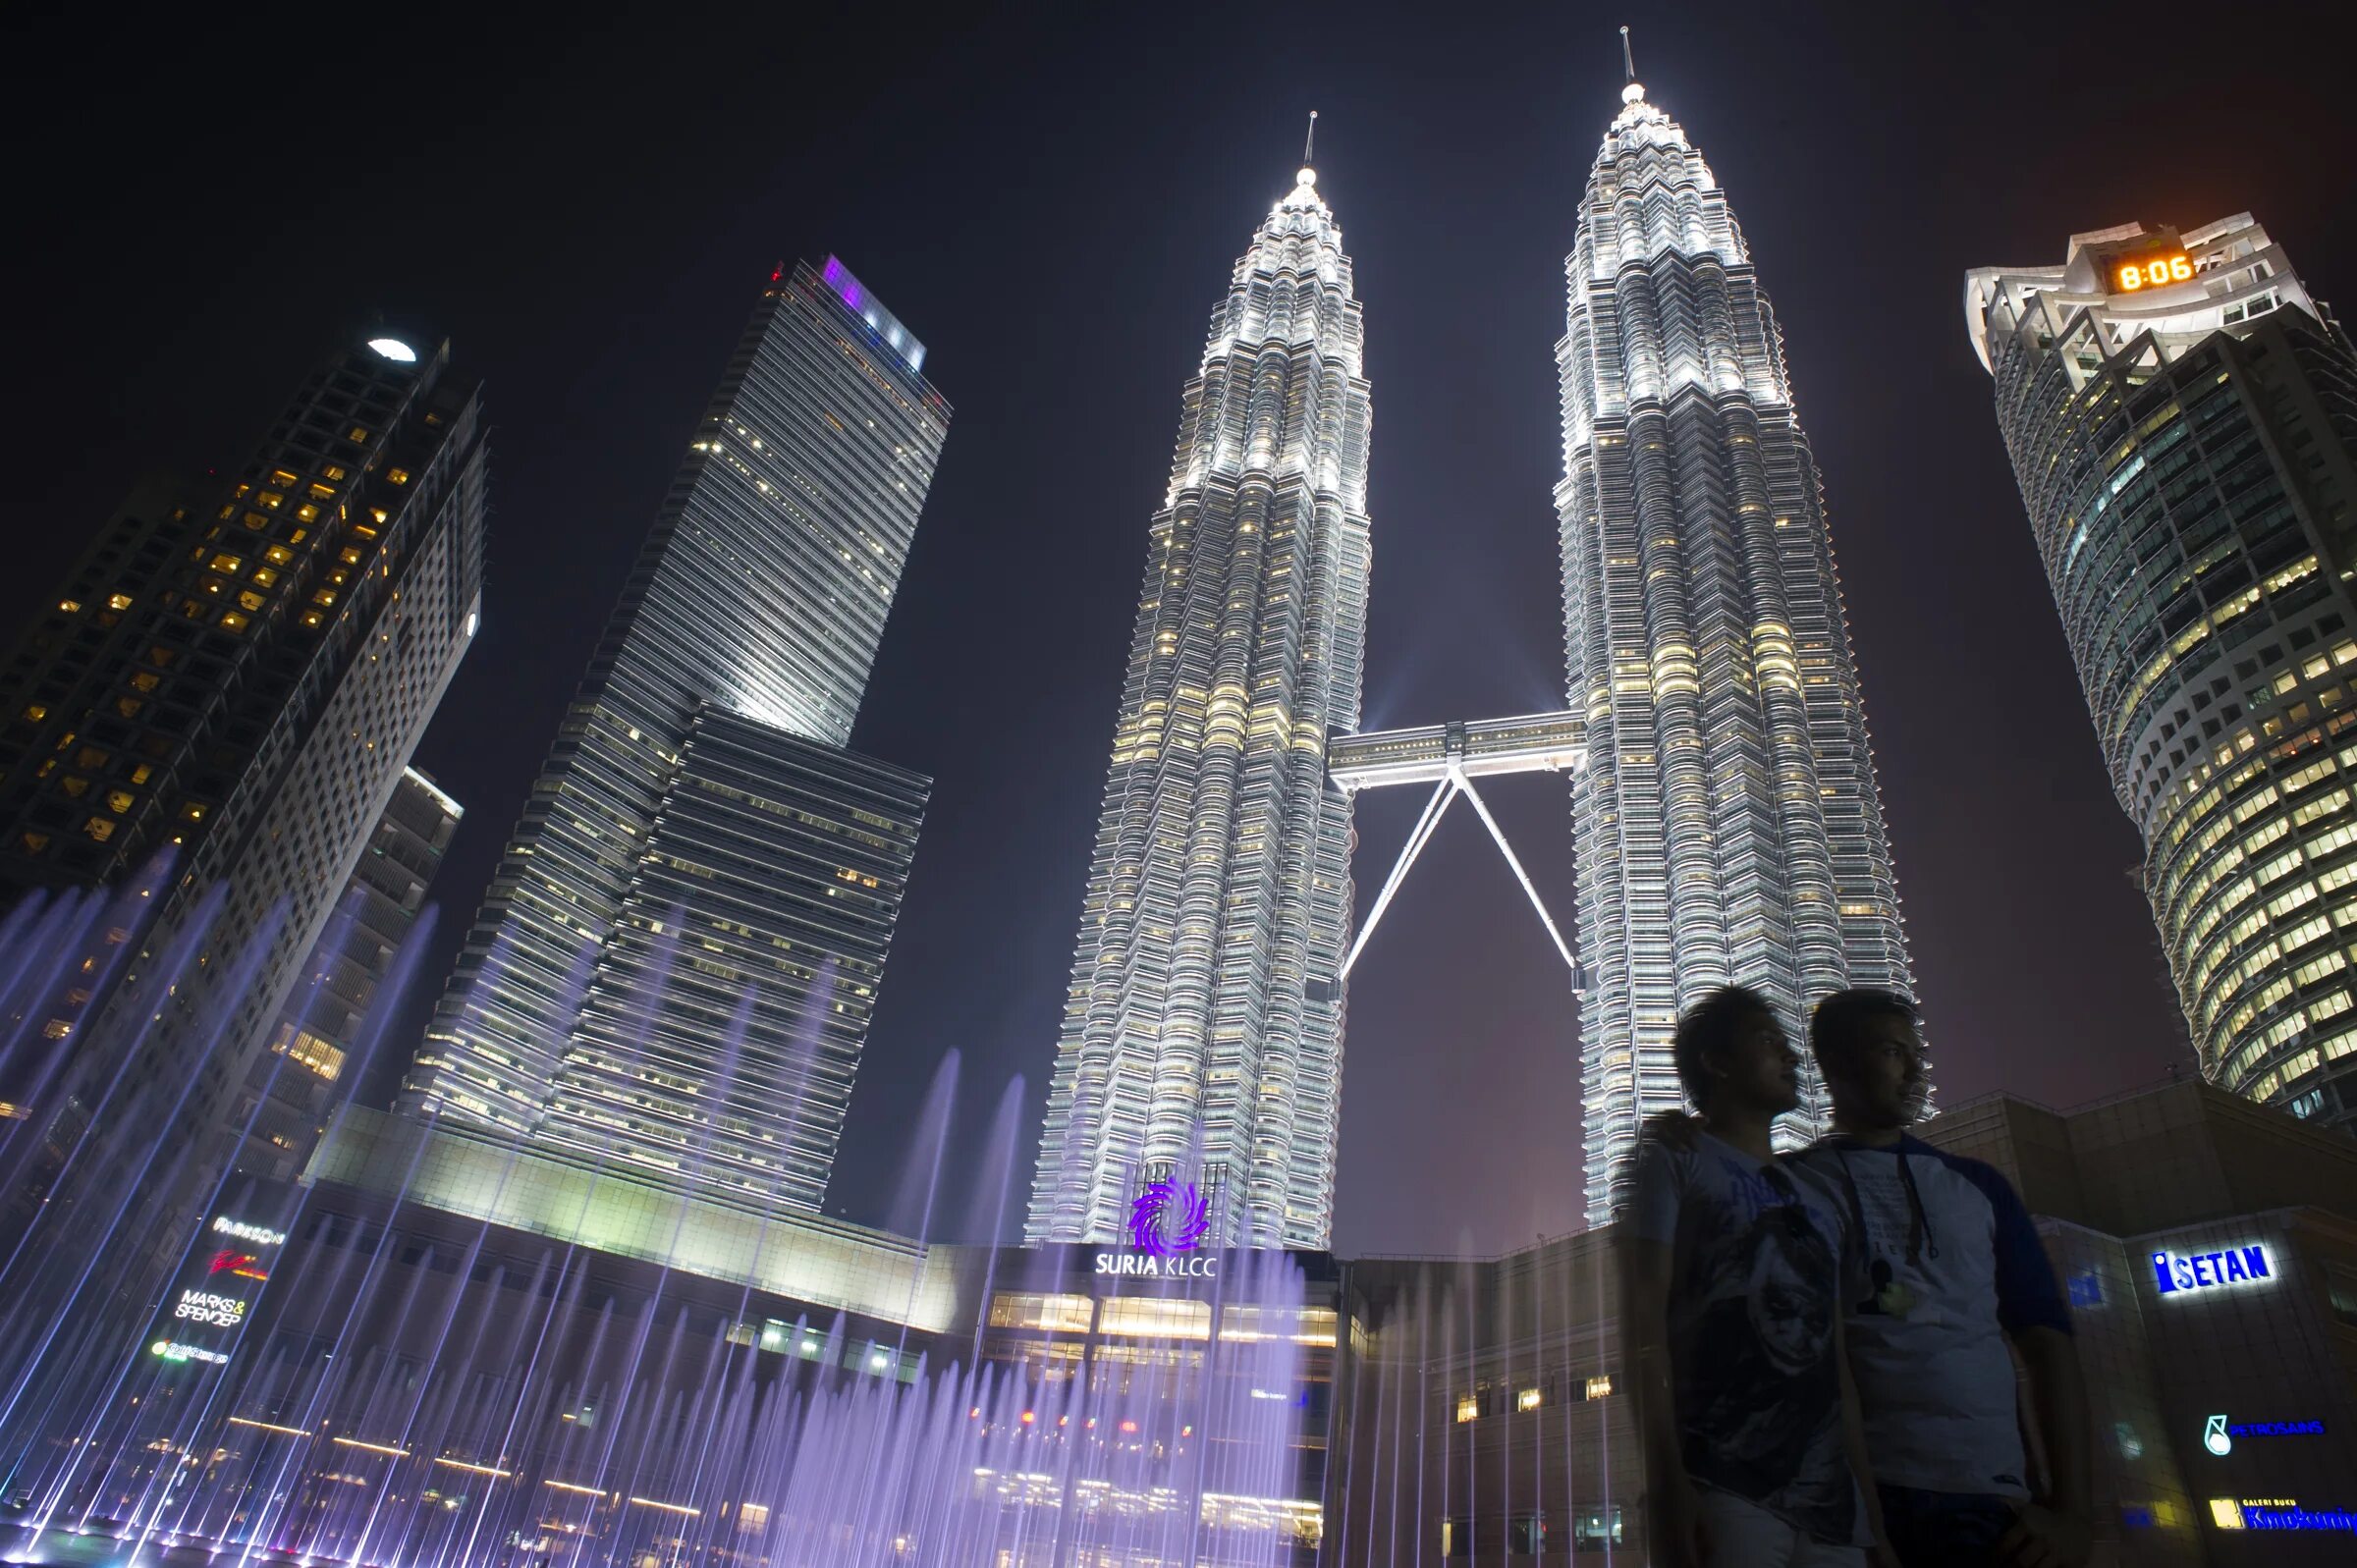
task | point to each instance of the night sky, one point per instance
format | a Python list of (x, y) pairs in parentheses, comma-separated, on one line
[(1052, 202)]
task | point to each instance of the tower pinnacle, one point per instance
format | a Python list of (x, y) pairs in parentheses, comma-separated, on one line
[(1629, 59), (1310, 175)]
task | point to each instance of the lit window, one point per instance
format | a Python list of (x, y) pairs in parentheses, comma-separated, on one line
[(358, 433), (232, 620), (72, 606), (399, 476), (100, 827), (332, 471), (1156, 1317), (282, 479), (1068, 1315), (250, 599), (56, 1029), (263, 576), (34, 843), (74, 786), (35, 712), (127, 707), (194, 812), (325, 597), (117, 601), (308, 513), (227, 565), (143, 773), (308, 1049), (118, 800), (1599, 1388), (272, 499), (278, 555), (146, 680), (1467, 1408), (312, 618), (1526, 1399)]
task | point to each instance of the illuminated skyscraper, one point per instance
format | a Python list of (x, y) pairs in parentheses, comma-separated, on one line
[(1728, 821), (240, 676), (698, 834), (1205, 1017), (310, 1068), (2182, 416)]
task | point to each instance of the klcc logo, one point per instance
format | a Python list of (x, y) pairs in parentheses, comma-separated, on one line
[(1165, 1221)]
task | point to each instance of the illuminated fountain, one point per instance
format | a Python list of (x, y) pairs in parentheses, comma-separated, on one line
[(440, 1350)]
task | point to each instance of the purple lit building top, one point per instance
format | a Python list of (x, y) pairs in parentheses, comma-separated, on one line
[(868, 308)]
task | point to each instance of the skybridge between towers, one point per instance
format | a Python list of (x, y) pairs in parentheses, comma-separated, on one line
[(1450, 757)]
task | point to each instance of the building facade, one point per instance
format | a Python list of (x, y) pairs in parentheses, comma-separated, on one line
[(699, 837), (1203, 1030), (316, 1051), (2209, 1249), (239, 679), (2181, 417), (1728, 825)]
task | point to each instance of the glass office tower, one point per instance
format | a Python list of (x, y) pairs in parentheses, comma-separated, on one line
[(239, 675), (698, 839), (1728, 819), (2181, 417), (1203, 1032)]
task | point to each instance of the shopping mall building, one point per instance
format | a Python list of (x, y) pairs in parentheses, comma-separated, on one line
[(1424, 1409)]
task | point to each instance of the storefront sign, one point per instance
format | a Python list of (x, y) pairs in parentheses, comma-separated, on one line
[(1166, 1224), (2177, 1272), (2279, 1513), (260, 1235), (2220, 1436)]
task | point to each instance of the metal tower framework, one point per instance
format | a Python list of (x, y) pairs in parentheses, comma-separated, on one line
[(1450, 757)]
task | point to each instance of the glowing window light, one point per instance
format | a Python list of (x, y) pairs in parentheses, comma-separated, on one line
[(269, 1425), (372, 1448), (393, 349)]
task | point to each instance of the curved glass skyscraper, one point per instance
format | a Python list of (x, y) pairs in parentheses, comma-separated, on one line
[(2181, 417), (1204, 1035), (1729, 827)]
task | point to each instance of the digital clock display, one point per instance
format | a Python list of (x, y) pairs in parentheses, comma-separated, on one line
[(2154, 269)]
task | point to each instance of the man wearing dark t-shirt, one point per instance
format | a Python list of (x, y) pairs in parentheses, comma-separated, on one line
[(1731, 1278)]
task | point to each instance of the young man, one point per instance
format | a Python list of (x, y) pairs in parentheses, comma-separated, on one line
[(1730, 1274), (1952, 1270)]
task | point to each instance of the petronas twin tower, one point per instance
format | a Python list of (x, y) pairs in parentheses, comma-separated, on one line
[(1727, 822)]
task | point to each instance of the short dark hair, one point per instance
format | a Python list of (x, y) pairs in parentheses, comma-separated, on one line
[(1838, 1025), (1707, 1028)]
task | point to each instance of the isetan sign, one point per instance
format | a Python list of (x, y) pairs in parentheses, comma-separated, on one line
[(2231, 1268)]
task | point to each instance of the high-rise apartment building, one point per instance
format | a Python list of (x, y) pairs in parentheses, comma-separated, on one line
[(240, 676), (1728, 821), (1203, 1033), (2182, 415), (698, 841), (312, 1060)]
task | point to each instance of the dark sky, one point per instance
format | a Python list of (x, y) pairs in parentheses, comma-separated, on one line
[(1052, 200)]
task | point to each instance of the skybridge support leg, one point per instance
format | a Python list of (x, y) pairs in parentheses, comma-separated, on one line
[(1465, 786), (1416, 841)]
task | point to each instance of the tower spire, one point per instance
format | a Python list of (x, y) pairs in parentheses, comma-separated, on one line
[(1628, 56), (1310, 140)]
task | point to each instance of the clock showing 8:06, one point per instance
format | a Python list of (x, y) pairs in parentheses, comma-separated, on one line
[(2153, 269)]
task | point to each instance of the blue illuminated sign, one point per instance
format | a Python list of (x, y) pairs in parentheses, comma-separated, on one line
[(2208, 1271)]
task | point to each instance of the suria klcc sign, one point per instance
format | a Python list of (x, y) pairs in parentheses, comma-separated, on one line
[(2229, 1268), (1166, 1224)]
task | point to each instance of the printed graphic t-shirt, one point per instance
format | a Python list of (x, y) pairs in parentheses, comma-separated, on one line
[(1754, 1295)]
